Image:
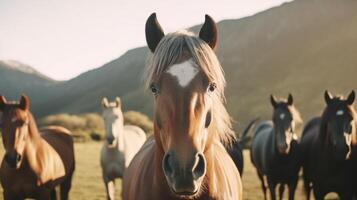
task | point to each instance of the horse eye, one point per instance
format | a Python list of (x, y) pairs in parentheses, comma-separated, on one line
[(154, 89), (212, 87)]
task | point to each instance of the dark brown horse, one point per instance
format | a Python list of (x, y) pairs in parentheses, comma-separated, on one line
[(327, 145), (34, 162), (275, 150), (186, 159)]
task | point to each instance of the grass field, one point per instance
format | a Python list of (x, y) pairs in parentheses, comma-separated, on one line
[(88, 184)]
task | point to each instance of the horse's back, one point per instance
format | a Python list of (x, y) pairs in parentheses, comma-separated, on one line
[(135, 133), (261, 145), (61, 141), (135, 137)]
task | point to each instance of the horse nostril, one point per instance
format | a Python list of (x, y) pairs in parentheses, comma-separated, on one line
[(199, 168), (166, 164), (110, 140)]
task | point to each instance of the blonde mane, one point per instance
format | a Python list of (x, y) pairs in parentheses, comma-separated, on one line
[(177, 46)]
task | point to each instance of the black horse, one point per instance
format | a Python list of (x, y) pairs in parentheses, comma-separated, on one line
[(326, 144), (235, 150), (275, 150)]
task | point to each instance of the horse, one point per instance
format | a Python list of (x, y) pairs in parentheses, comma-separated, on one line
[(120, 145), (35, 161), (275, 151), (186, 158), (235, 149), (326, 144)]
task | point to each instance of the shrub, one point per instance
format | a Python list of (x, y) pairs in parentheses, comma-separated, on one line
[(139, 119), (81, 126), (90, 126)]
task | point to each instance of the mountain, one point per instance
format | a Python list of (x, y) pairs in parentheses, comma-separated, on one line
[(121, 77), (17, 78), (302, 47)]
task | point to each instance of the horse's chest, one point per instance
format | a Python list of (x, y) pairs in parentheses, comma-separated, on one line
[(20, 182), (113, 164)]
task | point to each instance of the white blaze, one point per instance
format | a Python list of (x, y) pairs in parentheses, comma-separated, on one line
[(282, 116), (184, 72), (339, 112)]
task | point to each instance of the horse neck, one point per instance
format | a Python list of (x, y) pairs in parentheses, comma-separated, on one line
[(119, 129), (41, 157), (33, 132), (34, 142), (275, 150)]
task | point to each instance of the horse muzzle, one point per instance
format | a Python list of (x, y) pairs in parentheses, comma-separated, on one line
[(184, 181), (13, 159), (284, 149), (110, 141)]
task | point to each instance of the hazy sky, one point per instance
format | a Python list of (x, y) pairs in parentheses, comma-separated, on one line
[(63, 38)]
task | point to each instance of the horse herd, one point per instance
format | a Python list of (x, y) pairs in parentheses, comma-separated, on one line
[(193, 153)]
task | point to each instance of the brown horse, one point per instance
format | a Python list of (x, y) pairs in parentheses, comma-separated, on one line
[(186, 158), (34, 162)]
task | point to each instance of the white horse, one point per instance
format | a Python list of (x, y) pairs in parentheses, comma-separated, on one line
[(120, 146)]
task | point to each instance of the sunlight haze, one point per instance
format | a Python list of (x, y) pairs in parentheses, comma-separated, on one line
[(62, 39)]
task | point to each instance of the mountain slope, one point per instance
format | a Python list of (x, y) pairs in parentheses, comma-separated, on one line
[(302, 47), (17, 78)]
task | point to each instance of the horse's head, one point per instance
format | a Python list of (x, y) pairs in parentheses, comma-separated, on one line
[(113, 119), (339, 124), (15, 129), (187, 82), (285, 116)]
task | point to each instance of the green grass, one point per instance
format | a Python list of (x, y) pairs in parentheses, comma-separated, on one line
[(88, 184)]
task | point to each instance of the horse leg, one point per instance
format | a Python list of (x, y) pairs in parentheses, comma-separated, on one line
[(272, 186), (292, 188), (281, 190), (66, 186), (53, 194), (264, 187), (110, 188), (318, 194), (307, 188)]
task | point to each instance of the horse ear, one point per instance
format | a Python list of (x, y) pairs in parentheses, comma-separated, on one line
[(208, 32), (24, 102), (273, 101), (328, 97), (105, 102), (351, 98), (2, 102), (290, 100), (118, 102), (153, 32)]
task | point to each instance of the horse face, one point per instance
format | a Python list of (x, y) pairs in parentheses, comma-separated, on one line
[(14, 130), (340, 125), (182, 117), (284, 124), (113, 117)]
